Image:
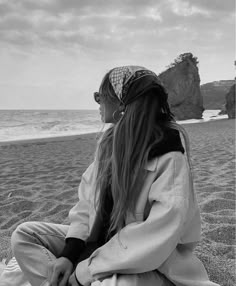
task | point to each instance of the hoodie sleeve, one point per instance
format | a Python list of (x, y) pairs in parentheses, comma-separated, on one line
[(143, 246), (79, 214)]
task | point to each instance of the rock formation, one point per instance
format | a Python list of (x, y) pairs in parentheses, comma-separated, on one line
[(230, 102), (214, 93), (182, 83)]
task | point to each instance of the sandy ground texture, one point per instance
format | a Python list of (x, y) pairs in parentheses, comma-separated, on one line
[(39, 181)]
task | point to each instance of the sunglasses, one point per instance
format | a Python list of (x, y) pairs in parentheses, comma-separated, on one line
[(96, 96)]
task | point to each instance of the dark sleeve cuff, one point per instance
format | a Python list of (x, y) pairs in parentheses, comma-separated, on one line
[(73, 249)]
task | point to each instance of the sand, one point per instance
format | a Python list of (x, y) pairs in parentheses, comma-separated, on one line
[(39, 181)]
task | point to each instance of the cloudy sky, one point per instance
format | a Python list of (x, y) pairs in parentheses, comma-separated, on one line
[(54, 53)]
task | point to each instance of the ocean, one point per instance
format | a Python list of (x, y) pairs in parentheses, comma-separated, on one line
[(32, 124)]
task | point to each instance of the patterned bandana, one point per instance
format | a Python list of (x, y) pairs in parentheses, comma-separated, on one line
[(122, 78)]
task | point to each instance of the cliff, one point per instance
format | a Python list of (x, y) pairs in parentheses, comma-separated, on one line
[(182, 83), (214, 93), (230, 102)]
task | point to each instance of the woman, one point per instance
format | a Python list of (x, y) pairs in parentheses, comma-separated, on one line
[(137, 219)]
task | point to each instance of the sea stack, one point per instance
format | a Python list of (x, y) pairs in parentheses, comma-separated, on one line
[(182, 82), (230, 102)]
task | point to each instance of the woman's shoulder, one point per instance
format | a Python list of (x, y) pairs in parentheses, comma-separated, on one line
[(165, 160)]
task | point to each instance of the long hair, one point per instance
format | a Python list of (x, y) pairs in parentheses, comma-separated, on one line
[(123, 150)]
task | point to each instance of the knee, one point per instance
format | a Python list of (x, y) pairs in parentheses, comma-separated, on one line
[(20, 235)]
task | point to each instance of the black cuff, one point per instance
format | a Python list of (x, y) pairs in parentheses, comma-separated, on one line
[(73, 249)]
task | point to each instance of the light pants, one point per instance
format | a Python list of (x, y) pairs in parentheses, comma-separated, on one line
[(37, 244)]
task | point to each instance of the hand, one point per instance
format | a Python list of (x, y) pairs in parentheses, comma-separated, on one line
[(73, 281), (61, 271)]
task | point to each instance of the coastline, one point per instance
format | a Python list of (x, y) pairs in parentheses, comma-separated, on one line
[(39, 179), (73, 137), (53, 126), (48, 139)]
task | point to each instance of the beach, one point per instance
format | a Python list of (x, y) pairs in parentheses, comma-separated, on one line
[(39, 181)]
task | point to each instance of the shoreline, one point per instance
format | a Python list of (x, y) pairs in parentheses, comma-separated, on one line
[(47, 139), (74, 137)]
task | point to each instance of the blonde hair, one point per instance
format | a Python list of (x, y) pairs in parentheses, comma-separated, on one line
[(123, 150)]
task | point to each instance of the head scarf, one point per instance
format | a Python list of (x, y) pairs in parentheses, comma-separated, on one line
[(130, 82)]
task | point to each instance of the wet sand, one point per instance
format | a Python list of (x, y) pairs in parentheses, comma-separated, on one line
[(39, 181)]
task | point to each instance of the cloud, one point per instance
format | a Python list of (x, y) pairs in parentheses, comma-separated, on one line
[(104, 30), (215, 6), (95, 25)]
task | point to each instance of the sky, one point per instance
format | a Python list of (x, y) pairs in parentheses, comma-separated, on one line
[(54, 53)]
